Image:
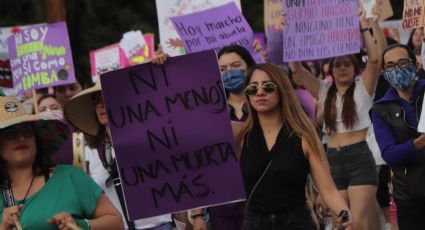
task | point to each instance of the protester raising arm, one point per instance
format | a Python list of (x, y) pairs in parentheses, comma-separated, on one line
[(372, 44), (312, 84)]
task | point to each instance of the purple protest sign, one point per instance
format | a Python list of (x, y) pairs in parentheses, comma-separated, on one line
[(320, 29), (172, 135), (40, 57), (215, 28)]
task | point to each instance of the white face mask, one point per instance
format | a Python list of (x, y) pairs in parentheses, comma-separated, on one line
[(54, 114)]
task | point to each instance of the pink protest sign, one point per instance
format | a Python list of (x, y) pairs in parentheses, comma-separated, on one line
[(320, 29), (112, 57)]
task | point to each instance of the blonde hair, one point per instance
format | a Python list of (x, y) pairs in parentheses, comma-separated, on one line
[(293, 116)]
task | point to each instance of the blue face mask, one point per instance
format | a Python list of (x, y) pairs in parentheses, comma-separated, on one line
[(233, 80), (401, 78)]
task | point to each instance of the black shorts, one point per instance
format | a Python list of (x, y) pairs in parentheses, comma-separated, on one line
[(352, 165)]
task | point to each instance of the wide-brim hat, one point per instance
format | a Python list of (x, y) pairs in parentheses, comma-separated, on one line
[(51, 132), (80, 111)]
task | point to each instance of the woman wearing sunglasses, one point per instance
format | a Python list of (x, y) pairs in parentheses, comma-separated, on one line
[(37, 193), (279, 148), (345, 110)]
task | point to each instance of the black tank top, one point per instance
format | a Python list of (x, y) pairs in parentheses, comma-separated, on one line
[(282, 188)]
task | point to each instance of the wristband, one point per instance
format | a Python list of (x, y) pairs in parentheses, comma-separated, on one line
[(362, 30), (196, 215), (83, 223)]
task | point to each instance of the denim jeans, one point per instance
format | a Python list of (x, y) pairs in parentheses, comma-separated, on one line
[(298, 218)]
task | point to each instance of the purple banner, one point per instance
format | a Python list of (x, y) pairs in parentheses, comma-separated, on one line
[(172, 135), (40, 57), (318, 29), (215, 28)]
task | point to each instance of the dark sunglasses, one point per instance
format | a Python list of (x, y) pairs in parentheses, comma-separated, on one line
[(15, 131), (267, 87)]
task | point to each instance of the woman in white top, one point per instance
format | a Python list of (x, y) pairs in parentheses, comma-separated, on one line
[(345, 105), (86, 111)]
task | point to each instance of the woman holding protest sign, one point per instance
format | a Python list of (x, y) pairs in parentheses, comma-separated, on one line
[(86, 111), (37, 194), (234, 61), (346, 105), (279, 147)]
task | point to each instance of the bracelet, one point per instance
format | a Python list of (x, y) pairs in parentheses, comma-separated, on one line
[(362, 30), (83, 223), (196, 215)]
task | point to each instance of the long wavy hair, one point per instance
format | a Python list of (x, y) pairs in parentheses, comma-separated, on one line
[(293, 116), (348, 115)]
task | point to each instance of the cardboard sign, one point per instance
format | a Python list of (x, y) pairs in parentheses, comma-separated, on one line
[(169, 38), (172, 135), (40, 57), (413, 14), (113, 57), (387, 10), (272, 16), (320, 29), (215, 28)]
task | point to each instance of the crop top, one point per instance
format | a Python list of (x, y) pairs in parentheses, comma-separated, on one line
[(363, 102)]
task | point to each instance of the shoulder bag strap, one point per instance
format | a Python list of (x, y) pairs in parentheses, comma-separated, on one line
[(8, 195), (265, 171), (110, 165)]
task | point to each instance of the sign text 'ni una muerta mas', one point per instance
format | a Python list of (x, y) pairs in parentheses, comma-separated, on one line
[(172, 135)]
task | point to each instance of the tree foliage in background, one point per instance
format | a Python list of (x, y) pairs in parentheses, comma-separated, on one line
[(94, 24)]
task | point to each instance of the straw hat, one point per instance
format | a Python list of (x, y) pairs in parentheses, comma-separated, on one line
[(80, 112), (51, 132)]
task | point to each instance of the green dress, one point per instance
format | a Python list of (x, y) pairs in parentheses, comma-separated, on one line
[(68, 190)]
